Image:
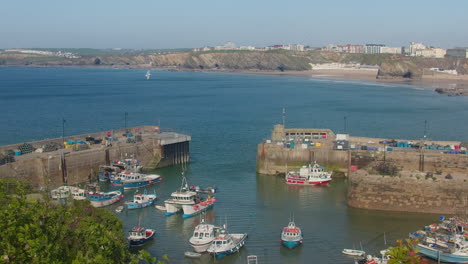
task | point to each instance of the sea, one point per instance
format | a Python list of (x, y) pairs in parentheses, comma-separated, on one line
[(227, 115)]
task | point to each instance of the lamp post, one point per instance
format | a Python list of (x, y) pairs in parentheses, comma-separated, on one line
[(63, 129)]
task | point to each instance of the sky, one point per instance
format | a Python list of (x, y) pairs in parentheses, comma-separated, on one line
[(157, 24)]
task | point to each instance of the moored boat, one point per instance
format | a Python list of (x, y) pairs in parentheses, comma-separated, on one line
[(139, 235), (353, 252), (202, 236), (107, 173), (119, 209), (131, 180), (101, 199), (78, 194), (309, 175), (61, 192), (141, 200), (187, 200), (225, 244), (291, 236), (190, 254)]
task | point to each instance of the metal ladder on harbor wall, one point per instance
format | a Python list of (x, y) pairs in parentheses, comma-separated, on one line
[(252, 259)]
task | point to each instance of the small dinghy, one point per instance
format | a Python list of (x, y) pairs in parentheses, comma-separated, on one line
[(190, 254), (119, 209), (160, 207), (353, 252)]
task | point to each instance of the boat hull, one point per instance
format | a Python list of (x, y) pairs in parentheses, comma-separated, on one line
[(291, 244), (192, 210), (132, 205), (444, 257), (141, 241), (172, 208), (110, 201), (200, 248), (300, 182)]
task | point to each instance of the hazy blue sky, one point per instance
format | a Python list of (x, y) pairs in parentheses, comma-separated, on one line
[(182, 23)]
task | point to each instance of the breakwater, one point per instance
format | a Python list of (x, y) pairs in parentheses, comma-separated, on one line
[(410, 192), (427, 176), (79, 163)]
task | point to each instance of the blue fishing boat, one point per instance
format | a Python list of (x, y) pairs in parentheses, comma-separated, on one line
[(132, 180), (457, 254), (139, 236), (291, 236), (101, 199), (141, 200)]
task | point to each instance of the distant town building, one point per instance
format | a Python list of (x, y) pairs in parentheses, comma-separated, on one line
[(391, 50), (431, 53), (457, 53), (67, 55), (227, 46), (413, 47), (296, 47), (373, 48)]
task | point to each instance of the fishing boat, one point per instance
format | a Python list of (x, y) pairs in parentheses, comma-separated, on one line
[(353, 252), (139, 236), (101, 199), (132, 164), (188, 201), (78, 194), (202, 236), (291, 236), (61, 192), (131, 180), (108, 172), (455, 251), (148, 75), (141, 200), (225, 244), (309, 175)]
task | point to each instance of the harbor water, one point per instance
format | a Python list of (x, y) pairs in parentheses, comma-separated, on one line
[(227, 115)]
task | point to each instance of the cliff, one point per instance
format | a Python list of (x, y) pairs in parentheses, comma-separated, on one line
[(391, 66)]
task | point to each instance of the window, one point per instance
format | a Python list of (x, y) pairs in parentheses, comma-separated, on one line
[(196, 234), (207, 234)]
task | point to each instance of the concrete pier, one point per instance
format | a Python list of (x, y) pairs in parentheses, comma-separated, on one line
[(73, 166)]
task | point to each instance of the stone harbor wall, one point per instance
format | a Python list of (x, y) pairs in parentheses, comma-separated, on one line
[(411, 192)]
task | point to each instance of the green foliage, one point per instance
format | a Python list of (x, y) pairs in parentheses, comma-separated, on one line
[(405, 253), (38, 231)]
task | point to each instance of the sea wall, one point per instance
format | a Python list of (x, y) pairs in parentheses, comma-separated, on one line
[(73, 167), (273, 159), (410, 192)]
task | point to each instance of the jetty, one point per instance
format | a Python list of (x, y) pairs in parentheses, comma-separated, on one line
[(76, 159), (382, 174)]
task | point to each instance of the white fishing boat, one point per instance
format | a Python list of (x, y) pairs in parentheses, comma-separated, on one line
[(309, 175), (148, 75), (61, 192), (202, 236), (353, 252), (188, 201), (78, 194), (141, 200), (225, 244)]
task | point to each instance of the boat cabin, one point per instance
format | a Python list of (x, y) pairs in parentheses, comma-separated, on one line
[(184, 195), (139, 232)]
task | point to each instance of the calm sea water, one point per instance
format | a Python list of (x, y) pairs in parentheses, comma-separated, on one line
[(227, 115)]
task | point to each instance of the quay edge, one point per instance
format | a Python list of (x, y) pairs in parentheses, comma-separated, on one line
[(66, 166)]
